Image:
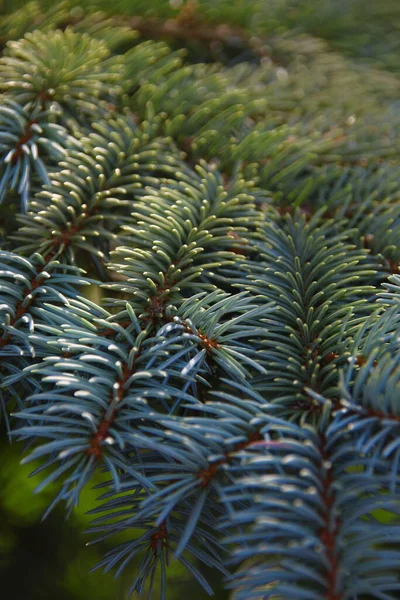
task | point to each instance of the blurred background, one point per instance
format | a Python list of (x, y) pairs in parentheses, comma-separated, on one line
[(55, 558)]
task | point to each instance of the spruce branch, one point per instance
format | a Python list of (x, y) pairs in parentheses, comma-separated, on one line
[(233, 184), (37, 70)]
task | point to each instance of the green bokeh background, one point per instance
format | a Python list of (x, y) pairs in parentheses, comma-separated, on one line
[(56, 561)]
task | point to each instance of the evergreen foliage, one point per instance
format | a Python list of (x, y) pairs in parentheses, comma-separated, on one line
[(200, 290)]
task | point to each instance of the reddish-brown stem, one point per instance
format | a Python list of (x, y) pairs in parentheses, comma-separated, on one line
[(23, 305), (65, 236), (371, 412), (103, 428), (100, 435), (366, 411), (157, 302), (159, 536), (393, 265), (308, 403), (207, 475), (26, 136), (208, 343), (63, 239)]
